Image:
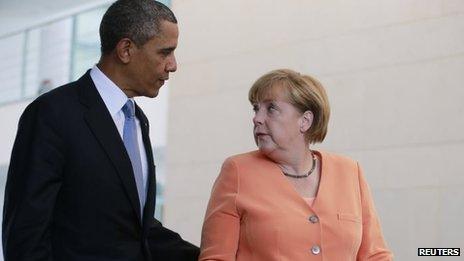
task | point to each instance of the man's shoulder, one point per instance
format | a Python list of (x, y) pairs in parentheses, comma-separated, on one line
[(65, 95), (66, 91), (57, 101)]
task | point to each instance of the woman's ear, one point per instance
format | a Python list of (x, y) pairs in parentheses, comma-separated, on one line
[(306, 121)]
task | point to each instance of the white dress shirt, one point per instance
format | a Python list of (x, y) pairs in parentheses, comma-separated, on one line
[(114, 99)]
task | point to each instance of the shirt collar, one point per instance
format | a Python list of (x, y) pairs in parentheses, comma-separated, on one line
[(113, 97)]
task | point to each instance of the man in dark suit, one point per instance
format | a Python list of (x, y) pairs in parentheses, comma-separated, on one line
[(81, 182)]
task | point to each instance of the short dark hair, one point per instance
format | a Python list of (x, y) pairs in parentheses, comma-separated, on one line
[(138, 20)]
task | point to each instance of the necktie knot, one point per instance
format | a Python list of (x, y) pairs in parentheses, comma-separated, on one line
[(128, 109)]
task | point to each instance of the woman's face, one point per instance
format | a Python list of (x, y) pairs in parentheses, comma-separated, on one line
[(278, 125)]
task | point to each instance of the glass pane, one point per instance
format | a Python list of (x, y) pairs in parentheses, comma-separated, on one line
[(32, 63), (53, 68), (86, 51), (11, 61), (166, 2)]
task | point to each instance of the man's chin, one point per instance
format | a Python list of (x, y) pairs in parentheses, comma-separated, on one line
[(153, 93)]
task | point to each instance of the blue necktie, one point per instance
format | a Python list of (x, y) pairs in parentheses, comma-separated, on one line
[(132, 147)]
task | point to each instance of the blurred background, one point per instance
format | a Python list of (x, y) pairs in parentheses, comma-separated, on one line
[(393, 70)]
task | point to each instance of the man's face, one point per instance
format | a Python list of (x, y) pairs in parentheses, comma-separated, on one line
[(151, 64)]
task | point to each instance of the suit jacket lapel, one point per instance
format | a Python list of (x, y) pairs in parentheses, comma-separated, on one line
[(102, 125), (151, 179)]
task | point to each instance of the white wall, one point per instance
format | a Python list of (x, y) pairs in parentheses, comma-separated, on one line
[(393, 71)]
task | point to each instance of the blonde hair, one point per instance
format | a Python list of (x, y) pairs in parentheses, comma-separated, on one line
[(303, 91)]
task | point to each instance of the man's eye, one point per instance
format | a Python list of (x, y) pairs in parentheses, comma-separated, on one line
[(166, 52)]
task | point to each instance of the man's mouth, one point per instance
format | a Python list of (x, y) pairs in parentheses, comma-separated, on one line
[(163, 80)]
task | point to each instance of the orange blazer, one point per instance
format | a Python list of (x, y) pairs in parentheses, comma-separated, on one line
[(254, 213)]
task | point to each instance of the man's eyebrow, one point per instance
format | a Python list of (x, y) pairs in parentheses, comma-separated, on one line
[(168, 49)]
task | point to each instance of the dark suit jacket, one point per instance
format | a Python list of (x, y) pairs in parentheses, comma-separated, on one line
[(71, 193)]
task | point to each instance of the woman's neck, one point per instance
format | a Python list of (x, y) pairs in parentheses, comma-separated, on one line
[(295, 161)]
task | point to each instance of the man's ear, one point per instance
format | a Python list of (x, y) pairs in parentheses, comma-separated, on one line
[(306, 121), (125, 49)]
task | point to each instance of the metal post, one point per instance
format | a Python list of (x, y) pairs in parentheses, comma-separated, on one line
[(24, 64), (73, 48)]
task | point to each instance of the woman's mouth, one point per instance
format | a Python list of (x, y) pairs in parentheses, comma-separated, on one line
[(261, 134)]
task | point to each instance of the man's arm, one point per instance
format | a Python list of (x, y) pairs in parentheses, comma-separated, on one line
[(167, 245), (34, 180)]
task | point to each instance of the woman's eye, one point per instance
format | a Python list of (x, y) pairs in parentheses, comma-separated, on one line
[(271, 108), (255, 108)]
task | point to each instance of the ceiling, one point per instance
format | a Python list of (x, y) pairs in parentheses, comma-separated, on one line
[(17, 15)]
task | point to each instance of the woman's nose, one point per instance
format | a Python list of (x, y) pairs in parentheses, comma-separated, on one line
[(258, 118)]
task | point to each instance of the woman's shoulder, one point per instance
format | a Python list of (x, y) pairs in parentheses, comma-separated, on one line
[(336, 159), (343, 168), (239, 165), (245, 155), (250, 157), (254, 155)]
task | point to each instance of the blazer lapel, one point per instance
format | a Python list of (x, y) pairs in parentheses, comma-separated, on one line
[(102, 125), (151, 179)]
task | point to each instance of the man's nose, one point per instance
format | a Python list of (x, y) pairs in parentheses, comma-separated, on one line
[(171, 66)]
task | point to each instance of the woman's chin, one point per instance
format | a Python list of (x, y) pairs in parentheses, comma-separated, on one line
[(266, 150)]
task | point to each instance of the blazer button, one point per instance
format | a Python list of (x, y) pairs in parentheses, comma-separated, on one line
[(313, 219), (316, 250)]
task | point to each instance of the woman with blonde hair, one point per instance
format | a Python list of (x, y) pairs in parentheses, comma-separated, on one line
[(286, 201)]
